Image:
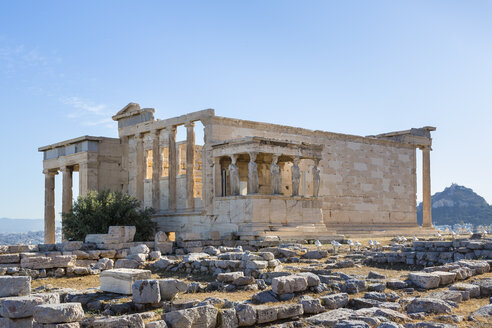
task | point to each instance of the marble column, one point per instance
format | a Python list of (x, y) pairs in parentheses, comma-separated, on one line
[(156, 170), (253, 182), (426, 188), (140, 167), (67, 189), (234, 176), (296, 177), (275, 177), (190, 164), (316, 178), (49, 207), (173, 168)]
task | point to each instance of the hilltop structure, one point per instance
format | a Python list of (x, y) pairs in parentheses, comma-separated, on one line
[(248, 179)]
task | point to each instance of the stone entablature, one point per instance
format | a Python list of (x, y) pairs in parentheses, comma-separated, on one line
[(354, 181)]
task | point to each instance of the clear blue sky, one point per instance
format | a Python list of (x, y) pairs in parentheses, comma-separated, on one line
[(358, 67)]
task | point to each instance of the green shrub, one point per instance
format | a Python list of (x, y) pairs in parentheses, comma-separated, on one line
[(95, 212)]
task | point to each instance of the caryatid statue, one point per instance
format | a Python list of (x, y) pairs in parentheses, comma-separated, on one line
[(253, 174), (234, 176), (316, 178), (296, 177), (275, 177)]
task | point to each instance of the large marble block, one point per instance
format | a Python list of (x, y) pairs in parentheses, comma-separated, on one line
[(121, 280), (15, 286)]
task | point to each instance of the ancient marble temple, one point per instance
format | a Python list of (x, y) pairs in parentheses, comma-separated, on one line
[(248, 179)]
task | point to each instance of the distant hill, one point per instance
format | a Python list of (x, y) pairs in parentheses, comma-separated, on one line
[(457, 204), (21, 225)]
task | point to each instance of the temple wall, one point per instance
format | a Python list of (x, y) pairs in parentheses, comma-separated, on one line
[(363, 180)]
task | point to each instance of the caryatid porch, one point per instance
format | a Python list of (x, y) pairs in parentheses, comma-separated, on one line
[(267, 186)]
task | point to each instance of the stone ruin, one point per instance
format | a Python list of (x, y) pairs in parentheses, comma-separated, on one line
[(289, 284), (248, 180)]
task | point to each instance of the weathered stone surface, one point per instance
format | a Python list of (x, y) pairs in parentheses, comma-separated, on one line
[(397, 284), (289, 284), (352, 324), (156, 324), (330, 318), (315, 254), (485, 286), (312, 279), (15, 286), (146, 291), (127, 264), (16, 323), (243, 281), (58, 313), (19, 306), (246, 315), (197, 317), (484, 312), (424, 280), (375, 275), (48, 298), (229, 277), (42, 262), (289, 311), (360, 303), (311, 305), (428, 305), (228, 318), (124, 321), (389, 314), (9, 258), (446, 277), (474, 290), (335, 301), (429, 324), (264, 297), (266, 313), (447, 295), (121, 280), (140, 249), (170, 287)]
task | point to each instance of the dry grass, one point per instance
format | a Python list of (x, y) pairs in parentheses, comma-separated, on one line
[(79, 283), (465, 308)]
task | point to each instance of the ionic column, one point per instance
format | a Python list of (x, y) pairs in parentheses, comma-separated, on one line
[(156, 170), (173, 168), (426, 188), (67, 189), (190, 164), (140, 167), (49, 207), (253, 182)]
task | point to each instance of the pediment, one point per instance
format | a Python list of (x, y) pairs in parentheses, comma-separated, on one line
[(129, 110)]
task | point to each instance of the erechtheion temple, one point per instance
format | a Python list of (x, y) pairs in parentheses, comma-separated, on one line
[(248, 179)]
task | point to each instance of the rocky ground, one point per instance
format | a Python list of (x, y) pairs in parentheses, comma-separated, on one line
[(290, 285)]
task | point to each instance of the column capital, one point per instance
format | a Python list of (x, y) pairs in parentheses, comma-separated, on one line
[(138, 136), (425, 147), (50, 172), (190, 124), (252, 155), (66, 168), (156, 132)]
